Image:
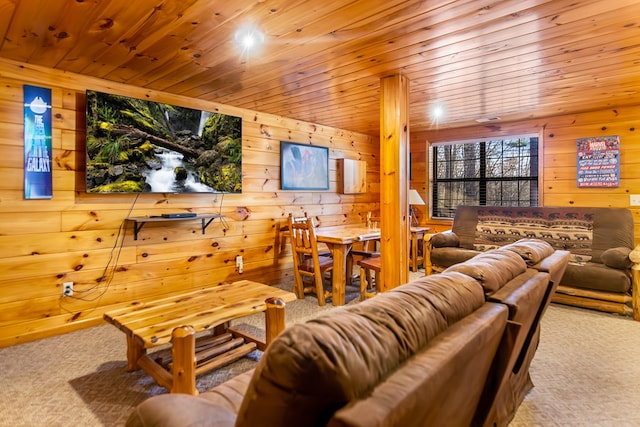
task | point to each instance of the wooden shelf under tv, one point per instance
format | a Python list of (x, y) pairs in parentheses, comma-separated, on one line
[(140, 221)]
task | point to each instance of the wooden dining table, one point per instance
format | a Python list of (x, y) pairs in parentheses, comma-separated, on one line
[(340, 239)]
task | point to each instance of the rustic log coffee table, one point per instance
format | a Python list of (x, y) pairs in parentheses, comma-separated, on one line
[(181, 320)]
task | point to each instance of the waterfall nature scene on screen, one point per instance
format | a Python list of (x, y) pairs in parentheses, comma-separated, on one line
[(140, 146)]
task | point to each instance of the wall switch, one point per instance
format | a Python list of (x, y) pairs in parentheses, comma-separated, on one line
[(239, 263), (634, 199)]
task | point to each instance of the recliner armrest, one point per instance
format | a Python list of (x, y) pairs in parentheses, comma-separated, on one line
[(555, 264)]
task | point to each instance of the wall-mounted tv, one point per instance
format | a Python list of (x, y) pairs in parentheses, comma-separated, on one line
[(142, 146)]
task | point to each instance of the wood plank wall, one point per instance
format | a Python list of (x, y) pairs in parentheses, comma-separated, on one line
[(558, 157), (78, 237)]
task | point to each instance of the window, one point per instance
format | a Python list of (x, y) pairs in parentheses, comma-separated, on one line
[(489, 172)]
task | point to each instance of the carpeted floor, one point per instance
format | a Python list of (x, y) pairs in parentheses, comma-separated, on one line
[(585, 371), (585, 374)]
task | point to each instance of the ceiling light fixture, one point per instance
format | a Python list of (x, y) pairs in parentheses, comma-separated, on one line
[(248, 39), (437, 112)]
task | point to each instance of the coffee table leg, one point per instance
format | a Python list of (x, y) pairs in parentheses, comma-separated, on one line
[(135, 350), (274, 319), (184, 360)]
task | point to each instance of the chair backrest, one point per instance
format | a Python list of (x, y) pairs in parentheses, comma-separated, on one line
[(306, 260), (303, 239), (372, 221), (299, 219)]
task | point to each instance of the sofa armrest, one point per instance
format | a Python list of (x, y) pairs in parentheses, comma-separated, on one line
[(168, 410), (617, 258), (444, 239)]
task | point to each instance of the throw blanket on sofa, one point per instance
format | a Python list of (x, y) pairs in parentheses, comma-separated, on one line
[(564, 228)]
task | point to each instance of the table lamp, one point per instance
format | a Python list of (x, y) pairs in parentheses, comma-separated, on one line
[(414, 199)]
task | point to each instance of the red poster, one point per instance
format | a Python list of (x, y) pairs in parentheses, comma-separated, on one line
[(599, 162)]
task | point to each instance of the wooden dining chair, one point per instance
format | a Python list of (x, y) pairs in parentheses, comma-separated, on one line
[(369, 247), (370, 262), (372, 221), (309, 266), (369, 287), (323, 250)]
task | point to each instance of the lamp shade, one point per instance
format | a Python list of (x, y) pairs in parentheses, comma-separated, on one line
[(414, 197)]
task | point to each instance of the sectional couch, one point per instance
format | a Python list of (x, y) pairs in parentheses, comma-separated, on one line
[(450, 349), (600, 274)]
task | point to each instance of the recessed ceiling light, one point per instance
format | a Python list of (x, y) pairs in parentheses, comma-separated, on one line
[(248, 39), (437, 112)]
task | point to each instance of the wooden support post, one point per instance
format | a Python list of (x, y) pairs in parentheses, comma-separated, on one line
[(184, 360), (394, 181)]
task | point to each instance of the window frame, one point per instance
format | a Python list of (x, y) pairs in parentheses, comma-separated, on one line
[(536, 166)]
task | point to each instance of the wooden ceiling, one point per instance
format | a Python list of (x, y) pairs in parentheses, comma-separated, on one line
[(322, 60)]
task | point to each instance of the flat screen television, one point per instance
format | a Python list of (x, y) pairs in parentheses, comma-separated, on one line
[(141, 146)]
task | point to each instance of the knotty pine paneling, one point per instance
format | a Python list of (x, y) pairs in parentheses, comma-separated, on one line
[(323, 61), (83, 238), (56, 242), (558, 161)]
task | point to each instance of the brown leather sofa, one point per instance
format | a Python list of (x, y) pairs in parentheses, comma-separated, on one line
[(600, 240), (527, 300), (449, 349)]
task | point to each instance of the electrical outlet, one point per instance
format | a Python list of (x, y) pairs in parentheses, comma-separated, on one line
[(67, 289), (239, 263), (634, 199)]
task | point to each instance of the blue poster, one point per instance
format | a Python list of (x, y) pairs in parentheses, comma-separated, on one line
[(37, 143)]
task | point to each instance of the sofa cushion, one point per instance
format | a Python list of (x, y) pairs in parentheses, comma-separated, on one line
[(230, 393), (492, 269), (313, 369), (612, 228), (617, 258), (180, 410), (598, 277), (563, 227), (532, 251), (215, 407), (586, 232), (464, 225)]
